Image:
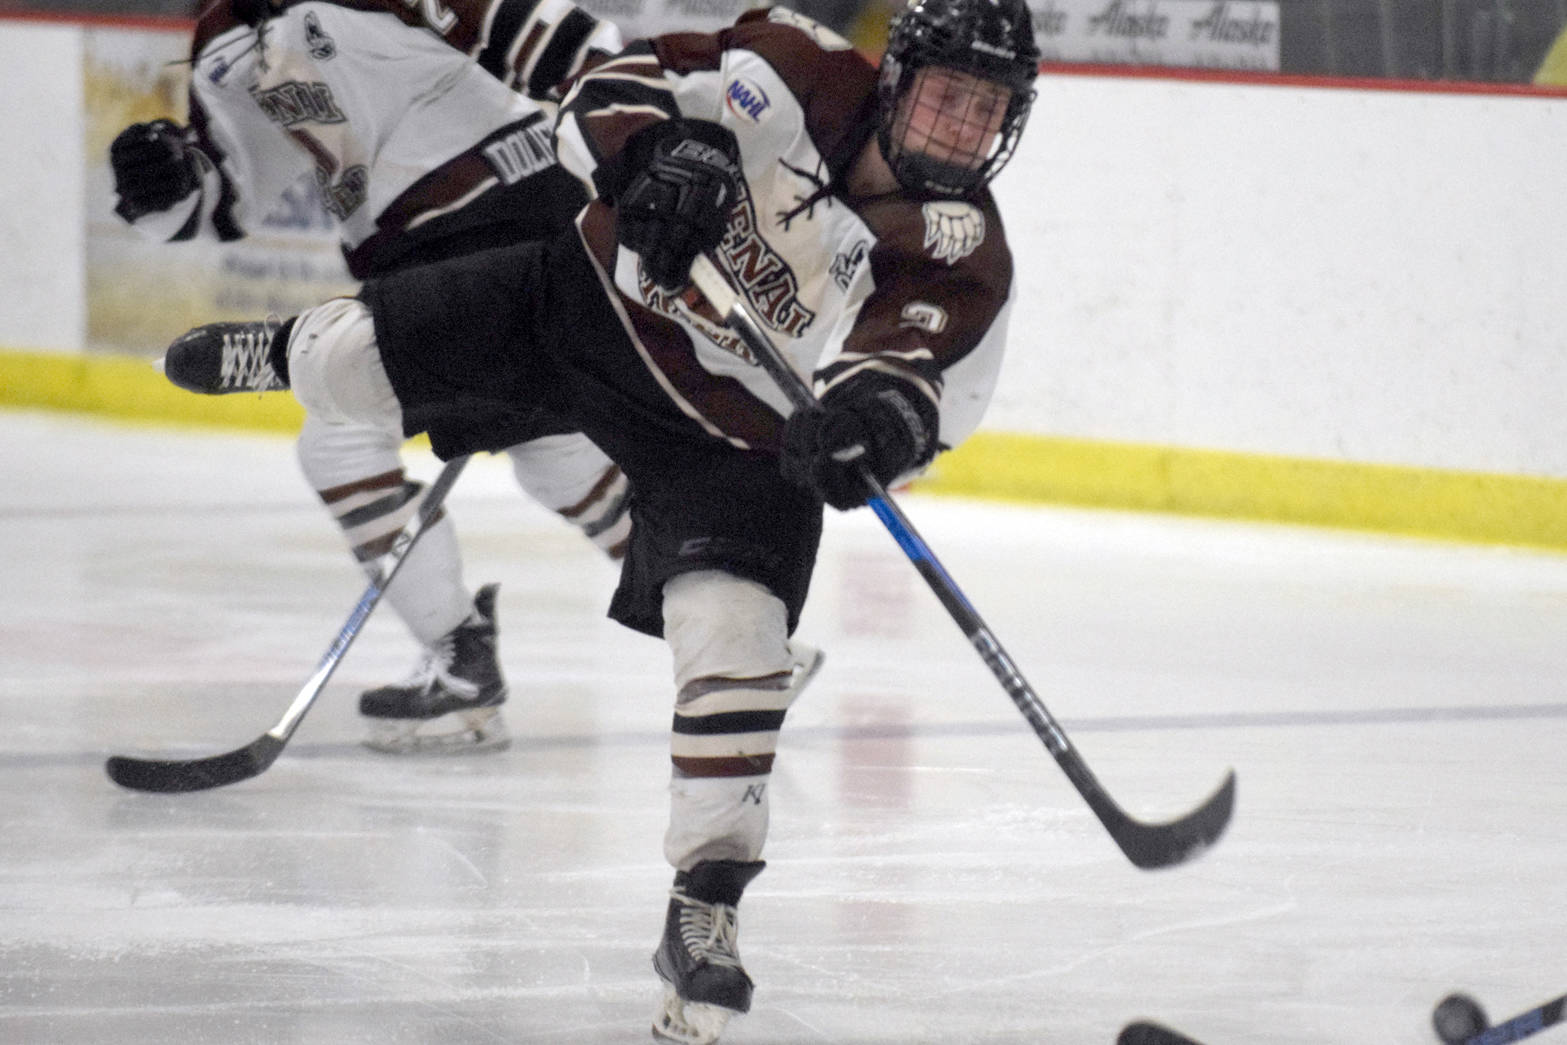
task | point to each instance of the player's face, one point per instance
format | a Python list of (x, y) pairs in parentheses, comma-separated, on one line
[(952, 117)]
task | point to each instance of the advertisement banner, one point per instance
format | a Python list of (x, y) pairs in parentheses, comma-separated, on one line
[(1220, 34), (1214, 34), (140, 293)]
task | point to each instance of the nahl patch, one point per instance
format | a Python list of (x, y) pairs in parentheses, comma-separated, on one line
[(745, 98), (953, 229)]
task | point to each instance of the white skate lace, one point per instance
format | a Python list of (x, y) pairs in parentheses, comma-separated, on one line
[(245, 363), (709, 931), (435, 666)]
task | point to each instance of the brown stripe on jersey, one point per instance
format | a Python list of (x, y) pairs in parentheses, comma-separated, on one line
[(212, 22), (505, 26), (712, 768), (432, 193), (468, 34), (632, 81), (597, 225), (690, 52), (969, 293), (723, 401), (726, 403), (454, 179), (518, 68), (561, 55), (436, 191), (384, 481)]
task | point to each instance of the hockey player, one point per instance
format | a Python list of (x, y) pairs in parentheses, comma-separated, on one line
[(417, 122), (849, 206)]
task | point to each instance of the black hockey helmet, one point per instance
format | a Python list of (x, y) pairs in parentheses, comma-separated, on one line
[(254, 12), (991, 40)]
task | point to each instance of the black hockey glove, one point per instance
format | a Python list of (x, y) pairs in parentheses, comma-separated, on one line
[(872, 421), (154, 168), (673, 186)]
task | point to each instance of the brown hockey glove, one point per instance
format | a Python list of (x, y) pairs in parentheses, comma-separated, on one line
[(673, 186), (154, 168), (871, 421)]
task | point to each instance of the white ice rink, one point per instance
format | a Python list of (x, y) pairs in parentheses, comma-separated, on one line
[(1396, 712)]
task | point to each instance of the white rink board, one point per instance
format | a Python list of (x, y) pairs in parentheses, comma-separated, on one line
[(42, 215), (1360, 275)]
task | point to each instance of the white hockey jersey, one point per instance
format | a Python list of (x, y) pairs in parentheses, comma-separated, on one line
[(918, 288), (404, 111)]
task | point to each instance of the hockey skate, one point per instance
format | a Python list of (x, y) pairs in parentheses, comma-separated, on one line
[(698, 958), (452, 701), (220, 358)]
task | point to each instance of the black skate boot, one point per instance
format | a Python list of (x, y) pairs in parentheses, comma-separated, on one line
[(220, 358), (698, 958), (452, 701)]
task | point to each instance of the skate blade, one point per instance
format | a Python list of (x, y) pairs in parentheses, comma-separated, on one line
[(693, 1023), (472, 732)]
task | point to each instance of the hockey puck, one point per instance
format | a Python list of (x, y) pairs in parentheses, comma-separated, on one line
[(1144, 1033), (1457, 1018)]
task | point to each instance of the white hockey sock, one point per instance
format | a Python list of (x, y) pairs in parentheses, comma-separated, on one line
[(570, 475), (428, 592), (359, 476), (734, 671)]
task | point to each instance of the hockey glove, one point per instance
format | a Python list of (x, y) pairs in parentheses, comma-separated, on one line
[(872, 421), (673, 186), (155, 167)]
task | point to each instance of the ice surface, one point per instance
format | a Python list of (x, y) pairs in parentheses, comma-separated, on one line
[(1396, 710)]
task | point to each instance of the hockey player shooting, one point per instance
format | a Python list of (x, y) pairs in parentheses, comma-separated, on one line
[(418, 124), (849, 208)]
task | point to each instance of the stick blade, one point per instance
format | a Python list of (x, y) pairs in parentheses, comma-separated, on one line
[(1152, 846), (169, 776)]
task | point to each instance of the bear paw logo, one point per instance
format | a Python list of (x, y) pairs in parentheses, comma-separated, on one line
[(953, 230)]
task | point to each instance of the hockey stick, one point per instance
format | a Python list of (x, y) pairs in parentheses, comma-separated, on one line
[(199, 774), (1523, 1025), (1146, 845)]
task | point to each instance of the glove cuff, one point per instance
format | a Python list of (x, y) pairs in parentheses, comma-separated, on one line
[(918, 417)]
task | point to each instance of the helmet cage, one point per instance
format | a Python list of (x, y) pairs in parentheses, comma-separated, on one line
[(992, 40)]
